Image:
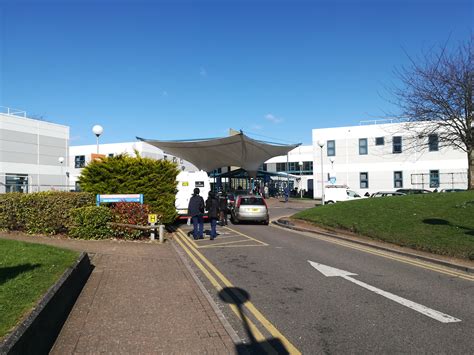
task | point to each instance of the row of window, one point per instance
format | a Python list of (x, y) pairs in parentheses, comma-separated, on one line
[(307, 167), (397, 146), (398, 179)]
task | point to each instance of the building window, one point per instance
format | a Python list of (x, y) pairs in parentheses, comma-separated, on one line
[(264, 167), (280, 166), (397, 145), (434, 178), (433, 141), (364, 180), (308, 167), (398, 179), (175, 159), (379, 141), (111, 155), (79, 161), (331, 148), (363, 150), (165, 157)]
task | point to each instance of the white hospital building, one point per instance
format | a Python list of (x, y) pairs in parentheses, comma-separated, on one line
[(35, 156)]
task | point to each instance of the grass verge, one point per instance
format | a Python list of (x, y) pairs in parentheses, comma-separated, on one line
[(440, 223), (27, 271)]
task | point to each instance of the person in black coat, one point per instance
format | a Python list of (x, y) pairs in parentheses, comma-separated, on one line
[(212, 207), (196, 211)]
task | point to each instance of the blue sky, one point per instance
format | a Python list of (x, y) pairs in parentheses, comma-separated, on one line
[(182, 69)]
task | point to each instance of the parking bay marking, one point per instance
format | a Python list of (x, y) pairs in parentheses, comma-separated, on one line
[(329, 271)]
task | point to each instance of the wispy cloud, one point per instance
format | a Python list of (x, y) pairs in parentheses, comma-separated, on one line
[(203, 72), (256, 127), (164, 93), (273, 118)]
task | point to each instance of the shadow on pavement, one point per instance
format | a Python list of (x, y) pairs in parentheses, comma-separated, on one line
[(7, 273), (238, 296)]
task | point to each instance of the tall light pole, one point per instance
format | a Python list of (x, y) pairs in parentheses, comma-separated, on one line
[(301, 178), (61, 161), (97, 130), (321, 145)]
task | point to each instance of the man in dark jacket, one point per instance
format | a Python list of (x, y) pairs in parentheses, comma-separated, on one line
[(212, 207), (196, 210)]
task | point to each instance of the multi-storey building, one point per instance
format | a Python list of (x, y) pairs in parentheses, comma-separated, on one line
[(387, 156), (33, 153)]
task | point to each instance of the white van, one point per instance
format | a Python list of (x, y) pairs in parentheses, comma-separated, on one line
[(187, 181), (337, 193)]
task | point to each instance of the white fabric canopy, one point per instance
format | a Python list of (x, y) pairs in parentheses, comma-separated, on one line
[(238, 150)]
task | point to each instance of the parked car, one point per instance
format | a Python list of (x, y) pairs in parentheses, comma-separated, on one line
[(338, 193), (452, 190), (250, 208), (387, 193), (230, 202), (413, 191)]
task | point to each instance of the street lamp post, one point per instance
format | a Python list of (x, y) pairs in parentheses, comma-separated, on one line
[(301, 178), (321, 145), (61, 161), (97, 130)]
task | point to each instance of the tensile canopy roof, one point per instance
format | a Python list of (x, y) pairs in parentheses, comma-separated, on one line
[(237, 150)]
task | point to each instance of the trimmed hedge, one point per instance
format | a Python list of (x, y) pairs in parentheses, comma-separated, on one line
[(122, 174), (41, 212), (91, 222)]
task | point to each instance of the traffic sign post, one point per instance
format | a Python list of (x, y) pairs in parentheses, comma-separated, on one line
[(152, 219)]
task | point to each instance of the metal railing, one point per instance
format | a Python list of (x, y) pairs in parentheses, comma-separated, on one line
[(12, 111), (451, 180)]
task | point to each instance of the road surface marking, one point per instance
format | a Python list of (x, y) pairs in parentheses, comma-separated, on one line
[(331, 271), (257, 334), (246, 236), (250, 307), (386, 255)]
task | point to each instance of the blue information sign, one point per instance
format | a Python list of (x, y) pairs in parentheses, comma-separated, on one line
[(119, 198)]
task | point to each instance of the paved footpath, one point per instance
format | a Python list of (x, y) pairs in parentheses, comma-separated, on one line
[(140, 298)]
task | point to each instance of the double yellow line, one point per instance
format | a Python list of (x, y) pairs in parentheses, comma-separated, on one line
[(220, 282)]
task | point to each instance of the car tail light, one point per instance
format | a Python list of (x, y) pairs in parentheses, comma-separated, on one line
[(237, 204)]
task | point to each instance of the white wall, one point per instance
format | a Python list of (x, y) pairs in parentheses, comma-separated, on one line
[(32, 147), (380, 162)]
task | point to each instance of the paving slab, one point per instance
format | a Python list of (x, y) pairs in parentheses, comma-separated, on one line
[(140, 298)]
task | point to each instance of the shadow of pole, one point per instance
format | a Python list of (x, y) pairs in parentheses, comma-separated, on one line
[(7, 273), (237, 297)]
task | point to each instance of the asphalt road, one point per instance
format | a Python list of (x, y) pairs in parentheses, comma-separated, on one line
[(320, 314)]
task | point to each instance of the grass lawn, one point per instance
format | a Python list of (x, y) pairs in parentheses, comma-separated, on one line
[(441, 223), (27, 271)]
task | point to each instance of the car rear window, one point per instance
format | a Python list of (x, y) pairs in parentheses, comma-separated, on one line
[(252, 201)]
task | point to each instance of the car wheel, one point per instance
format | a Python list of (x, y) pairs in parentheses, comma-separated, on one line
[(266, 222), (329, 203)]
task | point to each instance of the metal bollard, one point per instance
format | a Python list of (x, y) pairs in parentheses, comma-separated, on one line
[(152, 232), (162, 233)]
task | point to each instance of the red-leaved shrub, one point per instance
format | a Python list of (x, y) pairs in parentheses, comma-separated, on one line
[(130, 213)]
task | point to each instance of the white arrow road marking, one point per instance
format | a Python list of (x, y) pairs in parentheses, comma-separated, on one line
[(331, 271)]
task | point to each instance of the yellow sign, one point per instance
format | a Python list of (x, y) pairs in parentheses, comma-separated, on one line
[(152, 218), (185, 183)]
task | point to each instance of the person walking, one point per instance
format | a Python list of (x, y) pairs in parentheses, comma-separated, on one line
[(196, 211), (212, 207), (287, 193), (222, 209)]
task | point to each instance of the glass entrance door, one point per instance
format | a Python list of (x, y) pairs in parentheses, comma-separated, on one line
[(16, 183)]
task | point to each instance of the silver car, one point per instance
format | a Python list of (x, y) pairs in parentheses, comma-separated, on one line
[(250, 208)]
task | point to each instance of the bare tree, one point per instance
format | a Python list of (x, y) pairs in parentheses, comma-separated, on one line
[(438, 89)]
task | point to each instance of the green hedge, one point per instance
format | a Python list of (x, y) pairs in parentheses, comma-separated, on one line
[(122, 174), (91, 223), (42, 212)]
